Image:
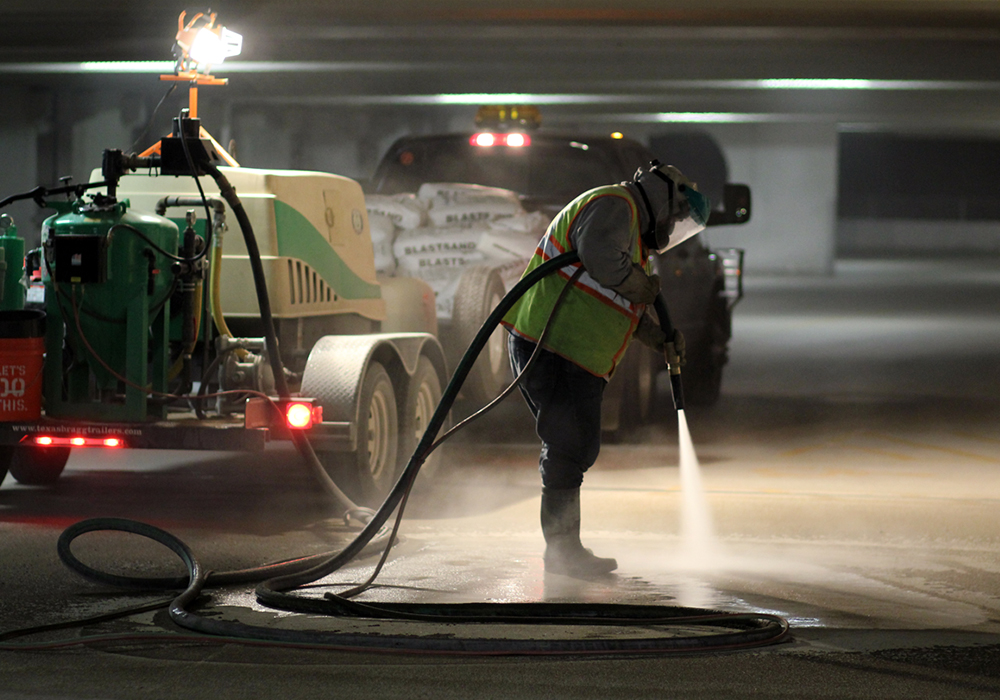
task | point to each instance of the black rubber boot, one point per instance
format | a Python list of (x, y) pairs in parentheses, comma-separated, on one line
[(564, 554)]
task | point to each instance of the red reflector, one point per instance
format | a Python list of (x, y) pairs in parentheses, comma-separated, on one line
[(298, 415)]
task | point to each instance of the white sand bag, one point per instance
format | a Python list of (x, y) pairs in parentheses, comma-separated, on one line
[(444, 194), (444, 282), (429, 248), (533, 223), (383, 233), (405, 210), (505, 246), (469, 213)]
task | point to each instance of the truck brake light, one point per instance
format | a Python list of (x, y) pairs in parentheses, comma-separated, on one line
[(485, 139)]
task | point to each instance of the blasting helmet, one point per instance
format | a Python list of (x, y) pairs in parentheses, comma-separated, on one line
[(676, 209)]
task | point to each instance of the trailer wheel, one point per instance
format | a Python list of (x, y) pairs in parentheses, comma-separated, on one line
[(422, 398), (37, 466), (375, 461), (479, 291)]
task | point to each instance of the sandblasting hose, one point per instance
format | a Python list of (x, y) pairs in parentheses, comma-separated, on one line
[(672, 353), (301, 441)]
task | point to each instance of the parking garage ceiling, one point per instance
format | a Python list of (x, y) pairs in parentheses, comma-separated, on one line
[(918, 64)]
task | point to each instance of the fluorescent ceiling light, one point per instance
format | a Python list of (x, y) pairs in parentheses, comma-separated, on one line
[(124, 67), (728, 117)]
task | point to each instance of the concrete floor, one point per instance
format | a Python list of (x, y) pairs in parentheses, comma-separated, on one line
[(851, 472)]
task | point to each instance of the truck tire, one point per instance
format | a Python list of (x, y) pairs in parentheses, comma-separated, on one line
[(422, 398), (640, 397), (636, 402), (702, 374), (37, 466), (479, 290), (6, 455)]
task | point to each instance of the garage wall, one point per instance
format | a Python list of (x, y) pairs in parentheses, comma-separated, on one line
[(792, 173)]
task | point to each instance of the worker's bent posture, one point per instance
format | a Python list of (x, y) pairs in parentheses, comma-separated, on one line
[(614, 229)]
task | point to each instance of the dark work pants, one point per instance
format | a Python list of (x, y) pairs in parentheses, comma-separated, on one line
[(566, 402)]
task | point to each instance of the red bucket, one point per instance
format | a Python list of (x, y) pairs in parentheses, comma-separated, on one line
[(22, 357)]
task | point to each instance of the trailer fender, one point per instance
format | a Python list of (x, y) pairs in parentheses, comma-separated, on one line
[(336, 368)]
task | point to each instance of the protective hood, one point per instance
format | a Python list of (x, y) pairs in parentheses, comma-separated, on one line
[(676, 209)]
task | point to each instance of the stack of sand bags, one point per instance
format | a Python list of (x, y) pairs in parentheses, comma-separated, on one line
[(446, 228), (387, 214)]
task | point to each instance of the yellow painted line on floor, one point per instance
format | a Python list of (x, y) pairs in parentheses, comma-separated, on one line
[(981, 438), (947, 450), (887, 453), (832, 442)]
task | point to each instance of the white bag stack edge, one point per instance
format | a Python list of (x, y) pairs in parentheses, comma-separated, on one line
[(448, 227)]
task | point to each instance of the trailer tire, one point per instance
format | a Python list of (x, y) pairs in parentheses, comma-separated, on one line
[(38, 466), (479, 291), (422, 398)]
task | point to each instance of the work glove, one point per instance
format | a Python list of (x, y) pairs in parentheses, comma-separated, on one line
[(675, 352), (649, 334), (638, 287)]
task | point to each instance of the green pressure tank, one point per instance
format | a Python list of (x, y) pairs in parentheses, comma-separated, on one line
[(108, 278), (12, 265)]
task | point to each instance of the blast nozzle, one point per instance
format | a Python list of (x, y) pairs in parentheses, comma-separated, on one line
[(673, 351)]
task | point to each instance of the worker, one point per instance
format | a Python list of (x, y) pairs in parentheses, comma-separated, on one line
[(614, 229)]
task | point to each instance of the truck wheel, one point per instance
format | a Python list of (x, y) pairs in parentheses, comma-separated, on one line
[(6, 455), (638, 392), (422, 398), (644, 384), (375, 462), (479, 291), (702, 375), (36, 466)]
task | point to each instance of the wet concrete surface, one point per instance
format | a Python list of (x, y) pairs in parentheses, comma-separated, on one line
[(852, 469)]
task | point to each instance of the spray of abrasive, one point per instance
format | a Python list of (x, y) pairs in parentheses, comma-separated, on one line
[(697, 537)]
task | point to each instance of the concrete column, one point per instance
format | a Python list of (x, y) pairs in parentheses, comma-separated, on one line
[(792, 173)]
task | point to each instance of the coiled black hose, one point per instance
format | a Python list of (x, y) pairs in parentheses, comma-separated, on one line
[(276, 580)]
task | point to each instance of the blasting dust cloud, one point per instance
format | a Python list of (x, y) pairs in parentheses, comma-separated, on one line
[(698, 545)]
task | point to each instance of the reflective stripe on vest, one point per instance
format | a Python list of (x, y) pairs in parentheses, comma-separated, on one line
[(595, 324)]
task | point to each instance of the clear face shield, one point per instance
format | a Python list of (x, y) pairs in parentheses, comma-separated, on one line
[(682, 210)]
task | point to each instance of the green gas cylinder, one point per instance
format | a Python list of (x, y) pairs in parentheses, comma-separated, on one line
[(108, 276), (12, 288)]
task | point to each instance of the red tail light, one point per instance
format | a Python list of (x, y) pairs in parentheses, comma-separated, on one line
[(77, 441), (485, 139), (300, 415)]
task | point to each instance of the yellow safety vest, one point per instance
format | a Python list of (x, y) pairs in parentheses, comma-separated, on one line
[(595, 324)]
